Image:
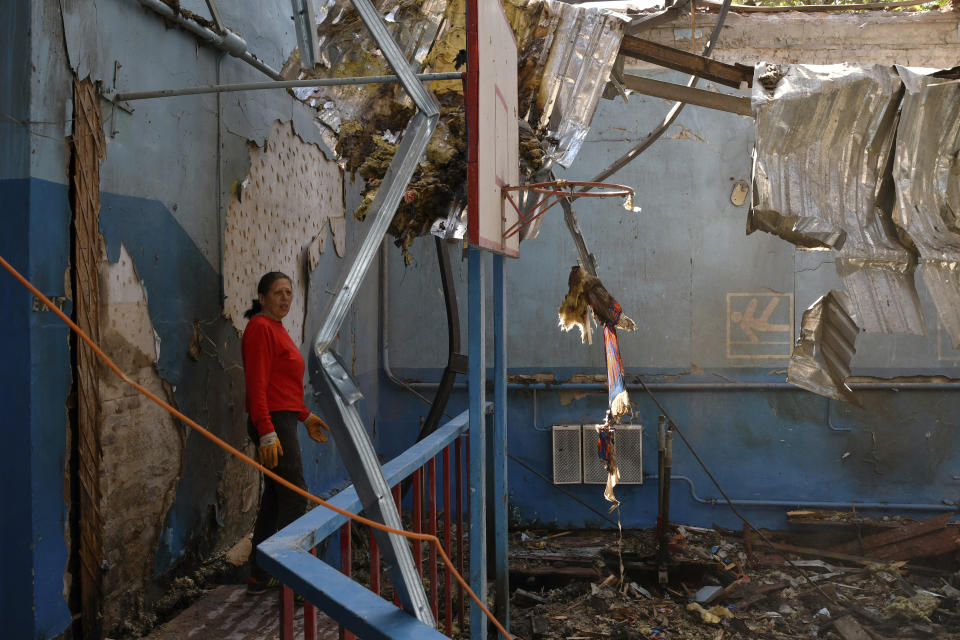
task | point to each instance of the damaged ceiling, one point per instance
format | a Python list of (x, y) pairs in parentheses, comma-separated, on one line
[(561, 80)]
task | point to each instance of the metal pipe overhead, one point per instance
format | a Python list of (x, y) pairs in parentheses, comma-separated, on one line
[(280, 84), (229, 41)]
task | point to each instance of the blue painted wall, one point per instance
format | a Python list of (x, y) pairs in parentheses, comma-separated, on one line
[(35, 379), (34, 387), (50, 382), (16, 567)]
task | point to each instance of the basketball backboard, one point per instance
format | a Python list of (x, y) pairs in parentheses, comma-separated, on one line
[(493, 135)]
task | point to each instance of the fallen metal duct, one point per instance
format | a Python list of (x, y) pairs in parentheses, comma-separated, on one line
[(822, 179), (926, 172), (820, 361)]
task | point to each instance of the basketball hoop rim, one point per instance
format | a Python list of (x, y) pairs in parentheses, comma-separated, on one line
[(587, 189), (553, 192)]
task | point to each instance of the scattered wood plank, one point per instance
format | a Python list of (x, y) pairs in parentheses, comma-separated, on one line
[(904, 532), (755, 593), (539, 626), (932, 544), (524, 598), (822, 553), (850, 629), (552, 557), (587, 573)]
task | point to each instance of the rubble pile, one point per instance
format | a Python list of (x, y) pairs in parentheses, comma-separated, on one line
[(897, 579)]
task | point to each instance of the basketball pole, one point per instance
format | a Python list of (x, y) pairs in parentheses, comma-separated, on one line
[(476, 356), (496, 503)]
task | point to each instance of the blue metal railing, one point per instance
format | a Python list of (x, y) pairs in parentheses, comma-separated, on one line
[(288, 554)]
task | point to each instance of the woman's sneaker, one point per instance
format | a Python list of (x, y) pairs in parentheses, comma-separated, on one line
[(256, 587)]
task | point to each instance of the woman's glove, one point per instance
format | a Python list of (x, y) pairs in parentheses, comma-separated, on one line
[(269, 450), (316, 427)]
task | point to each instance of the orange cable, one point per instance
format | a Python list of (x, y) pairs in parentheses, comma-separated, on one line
[(423, 537)]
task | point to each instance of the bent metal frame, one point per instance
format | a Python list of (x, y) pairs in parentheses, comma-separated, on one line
[(338, 394)]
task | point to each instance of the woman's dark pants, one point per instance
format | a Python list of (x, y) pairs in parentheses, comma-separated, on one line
[(279, 506)]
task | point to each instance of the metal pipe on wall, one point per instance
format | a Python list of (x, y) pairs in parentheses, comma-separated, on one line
[(280, 84), (812, 504), (230, 42)]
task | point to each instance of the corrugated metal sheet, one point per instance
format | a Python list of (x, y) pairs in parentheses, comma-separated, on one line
[(927, 175), (820, 361), (821, 178)]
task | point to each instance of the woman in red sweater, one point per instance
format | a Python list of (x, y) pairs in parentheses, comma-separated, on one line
[(273, 370)]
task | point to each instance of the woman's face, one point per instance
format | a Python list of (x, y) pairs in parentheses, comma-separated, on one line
[(276, 303)]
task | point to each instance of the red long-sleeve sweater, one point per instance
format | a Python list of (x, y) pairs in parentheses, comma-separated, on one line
[(273, 370)]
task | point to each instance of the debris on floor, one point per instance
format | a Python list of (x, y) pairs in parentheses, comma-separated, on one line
[(851, 578)]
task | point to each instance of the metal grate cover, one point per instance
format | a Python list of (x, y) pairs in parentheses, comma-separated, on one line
[(566, 454), (629, 447)]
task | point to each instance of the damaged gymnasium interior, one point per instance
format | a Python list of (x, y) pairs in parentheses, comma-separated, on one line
[(629, 320)]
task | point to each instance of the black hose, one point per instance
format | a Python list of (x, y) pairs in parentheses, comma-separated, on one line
[(455, 359)]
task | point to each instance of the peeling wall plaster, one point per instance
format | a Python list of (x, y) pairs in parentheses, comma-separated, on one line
[(278, 221), (142, 445)]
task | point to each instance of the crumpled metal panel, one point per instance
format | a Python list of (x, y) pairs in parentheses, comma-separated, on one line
[(582, 48), (821, 179), (926, 172), (820, 361)]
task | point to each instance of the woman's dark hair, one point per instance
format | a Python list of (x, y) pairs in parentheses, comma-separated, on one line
[(263, 289)]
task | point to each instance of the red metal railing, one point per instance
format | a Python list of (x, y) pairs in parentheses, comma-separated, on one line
[(452, 525)]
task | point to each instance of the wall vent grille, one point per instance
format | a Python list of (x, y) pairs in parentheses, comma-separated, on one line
[(567, 464), (629, 455)]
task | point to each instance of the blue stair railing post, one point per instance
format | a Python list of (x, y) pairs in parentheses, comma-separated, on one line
[(287, 555)]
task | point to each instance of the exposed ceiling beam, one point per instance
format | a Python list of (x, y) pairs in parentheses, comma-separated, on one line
[(731, 75), (699, 97)]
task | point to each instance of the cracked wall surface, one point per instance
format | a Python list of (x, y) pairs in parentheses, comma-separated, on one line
[(143, 447), (277, 221)]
